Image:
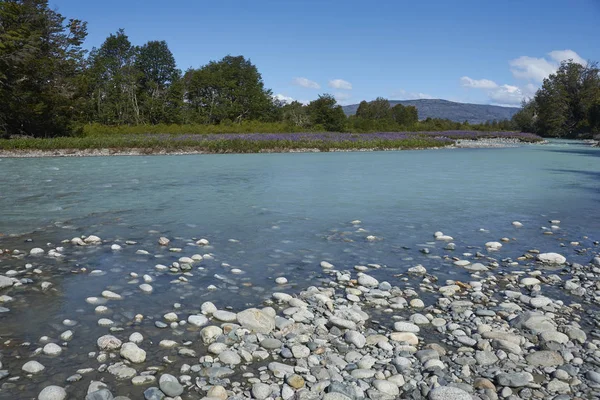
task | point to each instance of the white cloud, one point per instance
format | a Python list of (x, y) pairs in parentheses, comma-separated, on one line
[(507, 95), (342, 97), (478, 83), (307, 83), (404, 95), (537, 69), (562, 55), (283, 98), (340, 84)]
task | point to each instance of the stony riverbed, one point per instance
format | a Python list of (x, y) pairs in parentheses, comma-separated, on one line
[(522, 327)]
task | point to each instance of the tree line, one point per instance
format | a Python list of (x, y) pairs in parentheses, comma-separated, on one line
[(50, 86), (567, 104)]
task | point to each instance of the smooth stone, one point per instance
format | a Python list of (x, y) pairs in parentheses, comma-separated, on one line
[(545, 358), (225, 316), (367, 280), (355, 338), (551, 258), (52, 393), (108, 342), (144, 287), (210, 333), (448, 393), (170, 385), (197, 320), (256, 320), (514, 379), (407, 337), (217, 392), (52, 349), (230, 357), (33, 367), (271, 344), (133, 353), (111, 295), (386, 387), (136, 338), (153, 393), (295, 381), (402, 326), (261, 391), (102, 394)]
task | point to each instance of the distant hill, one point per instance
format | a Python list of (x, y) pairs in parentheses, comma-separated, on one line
[(460, 112)]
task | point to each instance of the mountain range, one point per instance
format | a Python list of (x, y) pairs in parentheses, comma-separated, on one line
[(460, 112)]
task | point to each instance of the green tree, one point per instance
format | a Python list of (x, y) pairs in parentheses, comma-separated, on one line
[(113, 81), (160, 92), (296, 114), (566, 101), (325, 112), (378, 109), (40, 58), (405, 115), (230, 89)]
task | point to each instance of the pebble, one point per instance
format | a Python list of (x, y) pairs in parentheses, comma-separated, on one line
[(33, 367), (52, 393)]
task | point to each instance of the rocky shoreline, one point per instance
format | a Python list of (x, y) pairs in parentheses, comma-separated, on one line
[(506, 333), (461, 143)]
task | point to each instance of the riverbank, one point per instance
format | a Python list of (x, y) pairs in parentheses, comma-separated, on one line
[(255, 143), (522, 327)]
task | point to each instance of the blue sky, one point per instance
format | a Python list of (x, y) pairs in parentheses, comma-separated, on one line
[(491, 52)]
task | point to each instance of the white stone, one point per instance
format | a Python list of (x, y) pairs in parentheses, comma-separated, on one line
[(92, 239), (144, 287), (136, 338), (111, 295), (493, 245), (52, 393), (52, 349), (326, 265), (208, 308), (33, 367), (115, 247), (133, 353), (517, 224), (108, 342), (36, 251), (281, 280), (551, 258), (367, 280), (197, 320)]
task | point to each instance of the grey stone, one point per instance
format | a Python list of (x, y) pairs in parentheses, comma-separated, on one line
[(514, 379), (133, 353), (271, 344), (5, 282), (230, 357), (545, 358), (448, 393), (153, 393), (102, 394), (367, 280), (170, 385), (355, 338), (256, 321), (261, 391), (52, 393), (33, 367)]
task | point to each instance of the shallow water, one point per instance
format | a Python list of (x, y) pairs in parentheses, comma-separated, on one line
[(286, 212)]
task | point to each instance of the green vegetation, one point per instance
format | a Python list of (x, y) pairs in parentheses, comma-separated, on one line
[(49, 88), (567, 104)]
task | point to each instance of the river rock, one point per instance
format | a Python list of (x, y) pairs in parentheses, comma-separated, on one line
[(146, 288), (210, 333), (514, 379), (448, 393), (5, 282), (367, 280), (217, 392), (493, 245), (197, 320), (355, 338), (403, 326), (533, 321), (92, 239), (102, 394), (153, 393), (230, 357), (108, 342), (386, 387), (261, 391), (52, 349), (224, 316), (52, 393), (33, 367), (256, 320), (170, 385), (551, 258), (133, 353), (545, 358)]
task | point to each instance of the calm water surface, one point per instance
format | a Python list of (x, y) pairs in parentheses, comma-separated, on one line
[(286, 212)]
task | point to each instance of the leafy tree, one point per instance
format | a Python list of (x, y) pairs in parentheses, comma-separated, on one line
[(405, 115), (40, 57), (325, 112), (565, 105), (378, 109), (229, 89), (295, 113), (113, 81), (160, 92)]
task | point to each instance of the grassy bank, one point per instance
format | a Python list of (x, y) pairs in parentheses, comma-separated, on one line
[(255, 142)]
